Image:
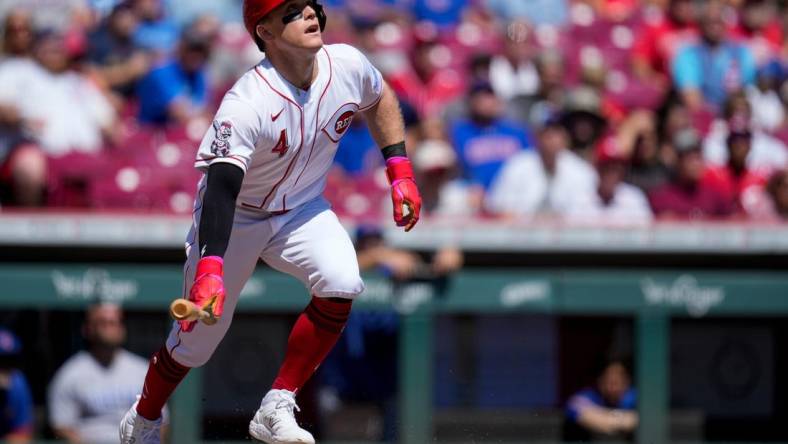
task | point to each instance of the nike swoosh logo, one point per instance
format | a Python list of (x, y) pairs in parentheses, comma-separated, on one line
[(274, 117)]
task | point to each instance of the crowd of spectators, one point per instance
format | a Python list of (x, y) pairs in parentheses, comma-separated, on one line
[(588, 111)]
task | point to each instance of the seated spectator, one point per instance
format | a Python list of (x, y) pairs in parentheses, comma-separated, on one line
[(613, 202), (647, 169), (767, 153), (59, 108), (156, 32), (429, 83), (17, 39), (16, 401), (584, 120), (659, 40), (759, 28), (777, 190), (541, 181), (687, 196), (177, 90), (607, 411), (768, 111), (484, 140), (22, 165), (513, 73), (117, 59), (92, 391), (741, 183), (442, 192), (538, 12), (707, 71)]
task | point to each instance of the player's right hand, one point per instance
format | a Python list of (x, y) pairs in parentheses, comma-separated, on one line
[(207, 292)]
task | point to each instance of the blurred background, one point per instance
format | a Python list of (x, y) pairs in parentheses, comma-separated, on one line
[(602, 256)]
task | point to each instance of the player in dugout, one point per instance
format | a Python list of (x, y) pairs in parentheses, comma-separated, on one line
[(265, 164)]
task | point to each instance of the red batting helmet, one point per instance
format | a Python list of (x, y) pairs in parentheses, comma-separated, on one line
[(255, 10)]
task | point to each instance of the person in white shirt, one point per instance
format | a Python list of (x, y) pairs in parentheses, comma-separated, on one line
[(513, 73), (59, 108), (542, 181), (767, 153), (612, 202), (92, 390)]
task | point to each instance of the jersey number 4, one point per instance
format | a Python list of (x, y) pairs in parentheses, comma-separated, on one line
[(281, 146)]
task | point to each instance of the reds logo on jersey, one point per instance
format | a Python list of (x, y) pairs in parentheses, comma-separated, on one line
[(340, 121), (221, 143)]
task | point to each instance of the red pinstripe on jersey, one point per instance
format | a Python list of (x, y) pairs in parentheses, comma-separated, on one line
[(317, 115)]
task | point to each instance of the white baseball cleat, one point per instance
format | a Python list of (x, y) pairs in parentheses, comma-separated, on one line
[(134, 429), (274, 422)]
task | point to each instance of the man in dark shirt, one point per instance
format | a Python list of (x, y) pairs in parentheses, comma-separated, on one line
[(687, 196)]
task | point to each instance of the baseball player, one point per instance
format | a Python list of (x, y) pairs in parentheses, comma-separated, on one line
[(265, 162)]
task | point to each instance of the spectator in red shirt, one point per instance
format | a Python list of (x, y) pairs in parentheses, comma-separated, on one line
[(430, 84), (688, 196), (741, 183), (660, 40)]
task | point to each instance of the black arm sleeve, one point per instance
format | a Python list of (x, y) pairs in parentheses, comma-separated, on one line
[(218, 208)]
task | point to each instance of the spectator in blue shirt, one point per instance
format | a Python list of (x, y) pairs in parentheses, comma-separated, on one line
[(484, 141), (443, 13), (536, 12), (707, 71), (177, 90), (16, 402), (606, 411), (156, 31)]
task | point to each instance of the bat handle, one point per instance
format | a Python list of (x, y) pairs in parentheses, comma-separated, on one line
[(186, 310)]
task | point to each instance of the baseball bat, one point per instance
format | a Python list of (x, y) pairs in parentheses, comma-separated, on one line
[(186, 310)]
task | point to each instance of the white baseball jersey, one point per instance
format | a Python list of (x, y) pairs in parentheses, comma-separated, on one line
[(283, 137)]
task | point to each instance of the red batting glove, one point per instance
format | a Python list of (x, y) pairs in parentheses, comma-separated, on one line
[(404, 192), (208, 289)]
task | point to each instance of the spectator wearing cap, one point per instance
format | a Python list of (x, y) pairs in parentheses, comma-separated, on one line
[(768, 111), (613, 201), (16, 401), (687, 195), (544, 181), (113, 54), (443, 193), (742, 184), (484, 140), (705, 73), (177, 90), (92, 390), (660, 39), (767, 153), (583, 119)]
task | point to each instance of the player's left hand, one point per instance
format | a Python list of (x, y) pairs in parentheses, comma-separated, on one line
[(404, 192), (407, 203)]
